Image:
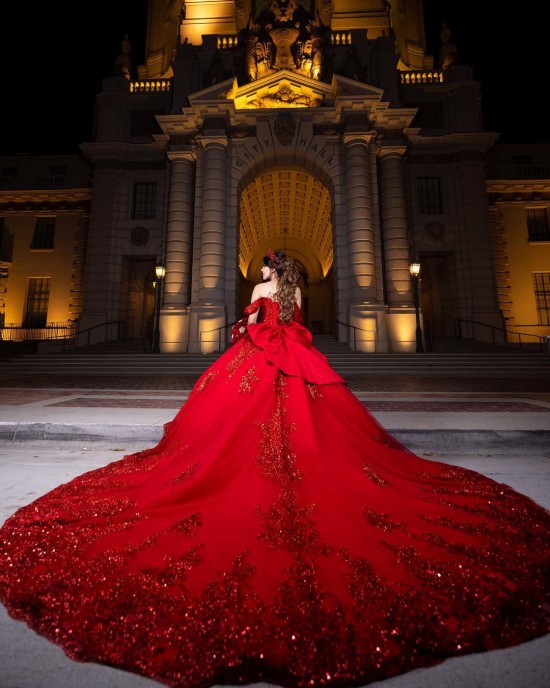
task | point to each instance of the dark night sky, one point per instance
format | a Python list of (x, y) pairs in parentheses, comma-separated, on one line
[(54, 72)]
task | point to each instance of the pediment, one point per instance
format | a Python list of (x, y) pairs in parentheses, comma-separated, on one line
[(342, 86), (285, 89)]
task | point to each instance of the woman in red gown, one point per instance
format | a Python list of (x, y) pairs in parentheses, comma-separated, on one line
[(277, 533)]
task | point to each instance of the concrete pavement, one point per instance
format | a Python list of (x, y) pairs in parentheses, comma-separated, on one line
[(458, 413)]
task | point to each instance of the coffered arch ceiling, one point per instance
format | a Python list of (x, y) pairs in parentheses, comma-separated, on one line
[(286, 208)]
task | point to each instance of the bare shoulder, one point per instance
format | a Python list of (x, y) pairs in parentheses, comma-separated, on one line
[(260, 290), (298, 297)]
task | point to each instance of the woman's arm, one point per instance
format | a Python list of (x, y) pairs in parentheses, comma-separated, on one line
[(253, 317), (298, 297)]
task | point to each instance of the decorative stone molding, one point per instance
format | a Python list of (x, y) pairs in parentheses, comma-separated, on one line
[(352, 138), (434, 232), (139, 236), (284, 127)]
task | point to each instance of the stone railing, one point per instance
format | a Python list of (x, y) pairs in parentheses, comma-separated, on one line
[(340, 38), (150, 85), (225, 42), (421, 78)]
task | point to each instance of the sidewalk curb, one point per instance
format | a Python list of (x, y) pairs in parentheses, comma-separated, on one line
[(456, 440)]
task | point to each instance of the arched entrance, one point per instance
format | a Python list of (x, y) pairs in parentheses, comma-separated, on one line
[(288, 208)]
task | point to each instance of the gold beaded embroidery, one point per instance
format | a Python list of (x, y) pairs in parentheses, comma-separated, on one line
[(314, 391), (245, 350), (187, 473), (248, 380), (376, 478), (276, 458), (206, 380)]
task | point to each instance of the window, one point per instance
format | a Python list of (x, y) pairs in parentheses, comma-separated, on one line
[(145, 200), (429, 196), (542, 296), (44, 232), (38, 296), (537, 224)]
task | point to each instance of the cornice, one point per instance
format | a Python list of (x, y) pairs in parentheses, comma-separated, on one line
[(123, 152), (58, 201), (474, 141)]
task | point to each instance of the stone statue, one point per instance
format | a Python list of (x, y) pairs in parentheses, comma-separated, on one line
[(286, 37), (216, 71), (352, 66), (283, 10), (448, 55), (123, 64)]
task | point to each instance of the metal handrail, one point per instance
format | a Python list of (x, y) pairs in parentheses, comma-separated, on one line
[(50, 331), (494, 329), (120, 323), (354, 328), (219, 330)]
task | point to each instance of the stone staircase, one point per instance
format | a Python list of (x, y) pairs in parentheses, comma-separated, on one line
[(128, 358), (452, 358), (459, 345)]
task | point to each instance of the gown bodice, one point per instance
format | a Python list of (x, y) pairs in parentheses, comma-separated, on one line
[(269, 311)]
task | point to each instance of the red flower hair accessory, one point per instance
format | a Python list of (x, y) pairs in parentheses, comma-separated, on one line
[(273, 257)]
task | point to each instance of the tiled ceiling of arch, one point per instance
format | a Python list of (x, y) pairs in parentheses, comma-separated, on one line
[(291, 200)]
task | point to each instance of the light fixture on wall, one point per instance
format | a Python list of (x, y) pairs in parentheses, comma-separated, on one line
[(414, 269), (160, 272)]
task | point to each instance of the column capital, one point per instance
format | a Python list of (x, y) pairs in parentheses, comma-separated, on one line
[(206, 140), (385, 150), (182, 156), (355, 137)]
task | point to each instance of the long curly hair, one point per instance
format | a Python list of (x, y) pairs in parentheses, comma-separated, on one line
[(288, 275)]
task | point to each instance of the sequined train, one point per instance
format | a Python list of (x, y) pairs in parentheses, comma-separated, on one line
[(277, 533)]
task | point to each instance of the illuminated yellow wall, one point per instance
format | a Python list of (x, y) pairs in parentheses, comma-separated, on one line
[(524, 257), (26, 262), (204, 17)]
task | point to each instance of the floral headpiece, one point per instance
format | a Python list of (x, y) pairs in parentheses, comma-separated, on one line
[(273, 257)]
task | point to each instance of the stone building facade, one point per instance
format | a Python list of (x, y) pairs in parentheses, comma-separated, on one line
[(320, 128)]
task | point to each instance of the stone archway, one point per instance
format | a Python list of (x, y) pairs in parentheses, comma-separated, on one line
[(288, 208)]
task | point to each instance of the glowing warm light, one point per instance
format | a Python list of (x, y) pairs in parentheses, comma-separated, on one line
[(287, 208), (207, 18), (160, 270), (210, 336), (174, 327), (414, 269)]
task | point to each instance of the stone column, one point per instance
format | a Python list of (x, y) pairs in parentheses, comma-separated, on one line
[(394, 221), (360, 229), (179, 239), (212, 251), (208, 313), (401, 313), (366, 316), (179, 231)]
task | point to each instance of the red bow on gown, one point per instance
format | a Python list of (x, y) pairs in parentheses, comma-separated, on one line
[(277, 532)]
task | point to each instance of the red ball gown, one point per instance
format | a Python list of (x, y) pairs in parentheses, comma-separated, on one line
[(277, 533)]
